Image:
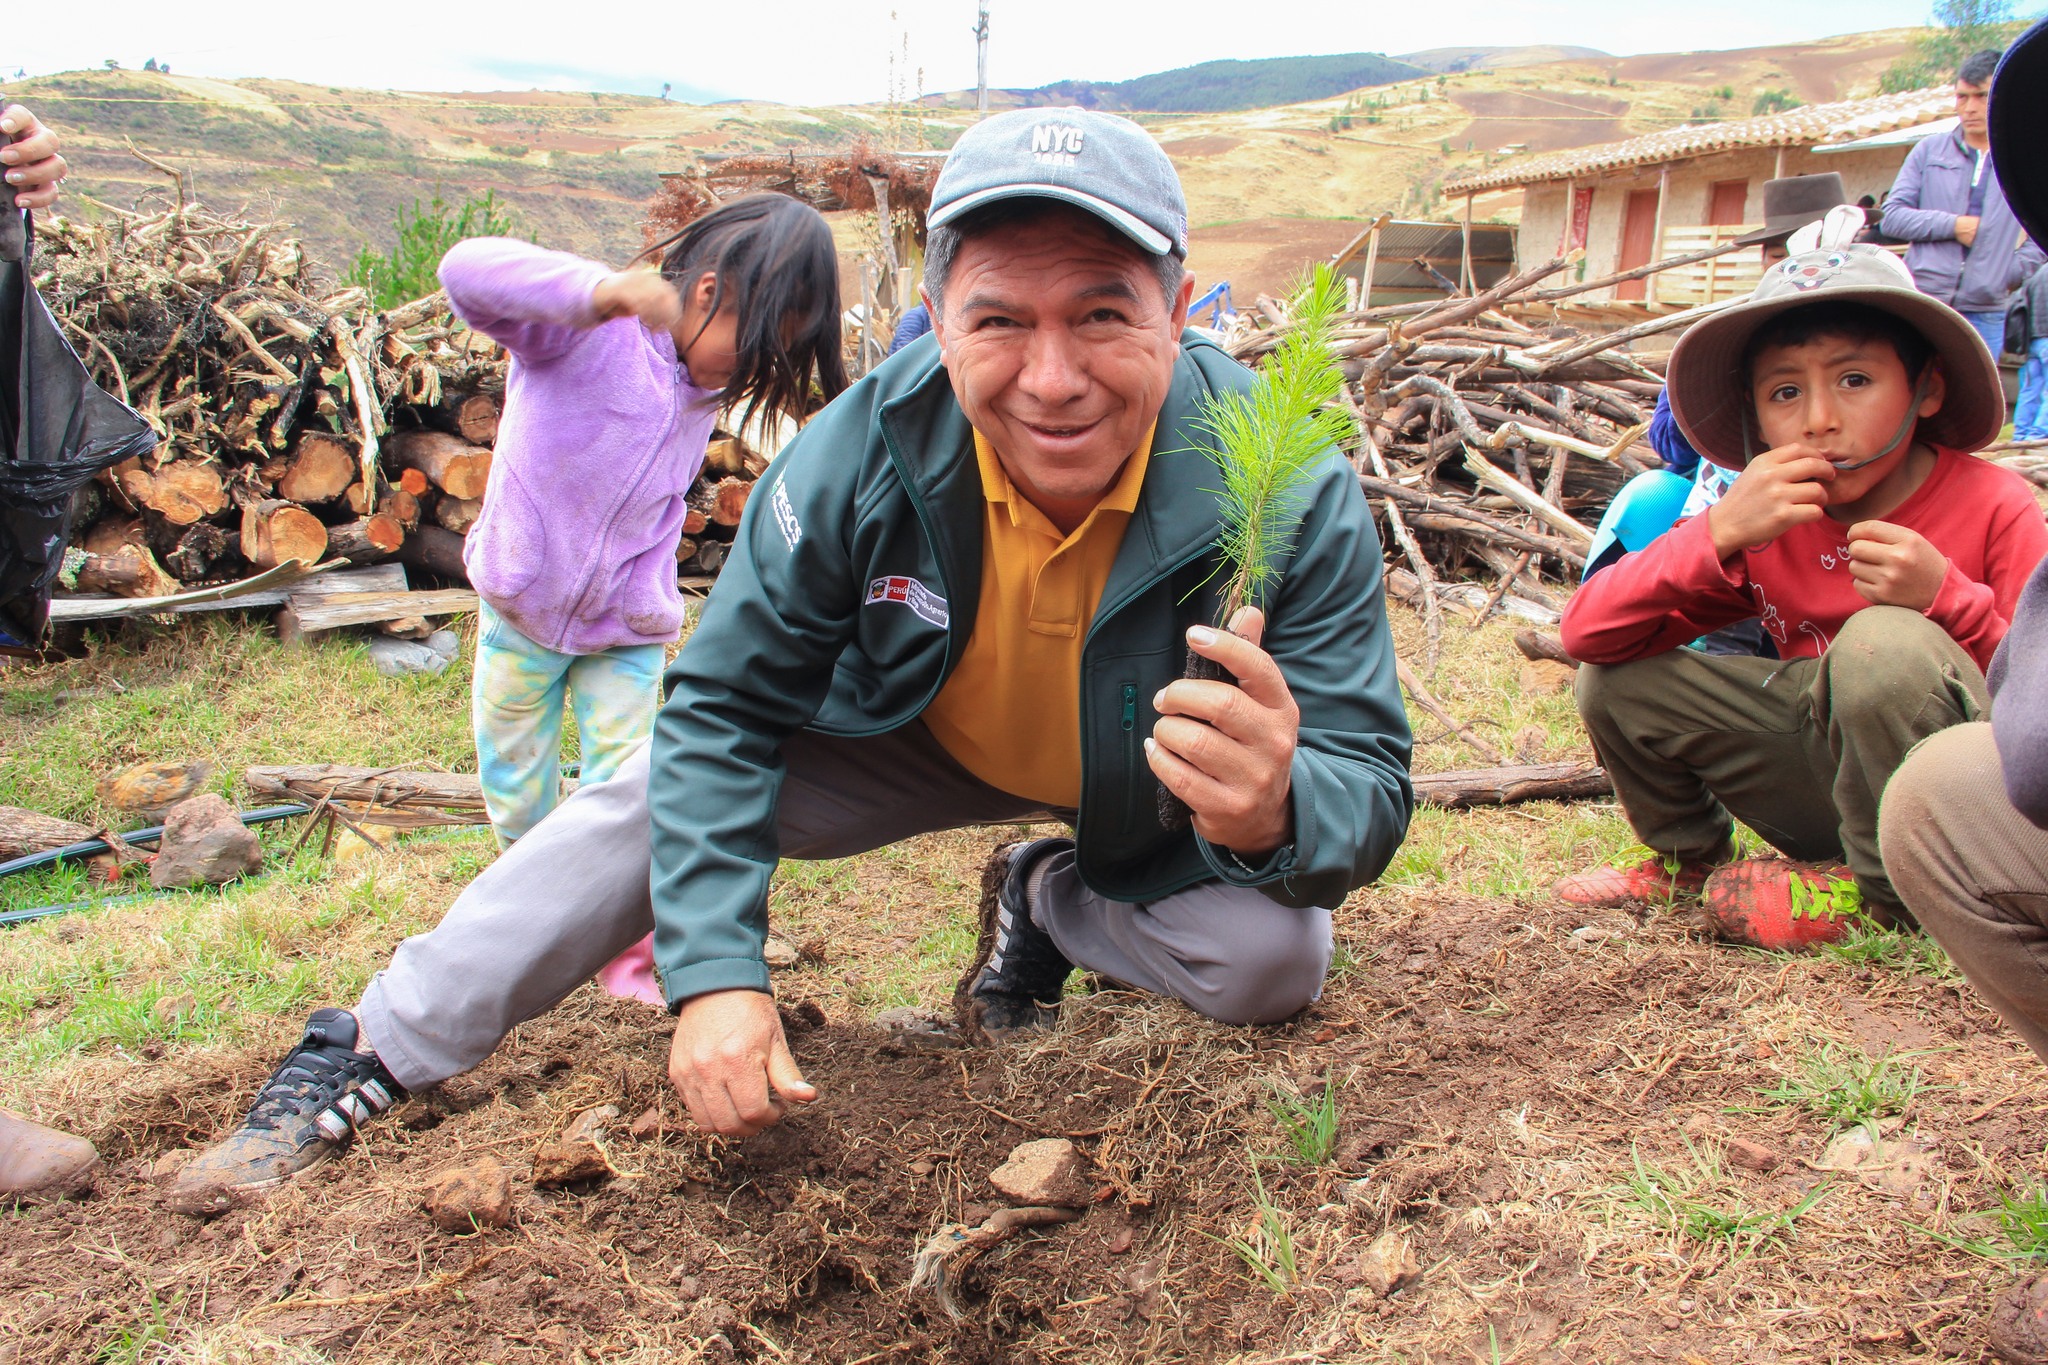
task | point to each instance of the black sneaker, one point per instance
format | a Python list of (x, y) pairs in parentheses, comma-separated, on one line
[(306, 1112), (1014, 986)]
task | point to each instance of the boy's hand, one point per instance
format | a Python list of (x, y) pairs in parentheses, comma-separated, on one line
[(1781, 489), (1895, 567), (28, 153), (641, 294)]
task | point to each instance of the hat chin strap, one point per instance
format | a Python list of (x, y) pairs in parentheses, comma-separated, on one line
[(1899, 437)]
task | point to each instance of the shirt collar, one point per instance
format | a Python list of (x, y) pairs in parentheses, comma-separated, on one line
[(1121, 497)]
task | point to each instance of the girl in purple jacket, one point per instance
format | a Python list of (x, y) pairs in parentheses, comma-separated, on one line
[(616, 380)]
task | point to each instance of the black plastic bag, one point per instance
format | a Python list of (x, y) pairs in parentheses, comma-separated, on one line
[(57, 430)]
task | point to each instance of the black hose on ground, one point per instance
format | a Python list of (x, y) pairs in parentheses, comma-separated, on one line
[(90, 847)]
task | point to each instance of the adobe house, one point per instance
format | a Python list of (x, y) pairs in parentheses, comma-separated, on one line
[(1700, 185)]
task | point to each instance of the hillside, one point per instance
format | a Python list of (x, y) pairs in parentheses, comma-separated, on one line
[(577, 169), (1228, 85)]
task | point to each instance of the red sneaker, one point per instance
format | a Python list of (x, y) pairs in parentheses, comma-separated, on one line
[(1785, 906), (1654, 881)]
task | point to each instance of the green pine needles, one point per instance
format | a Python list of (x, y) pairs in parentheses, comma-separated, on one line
[(1269, 440)]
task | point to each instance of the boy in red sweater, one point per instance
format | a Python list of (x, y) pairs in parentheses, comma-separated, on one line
[(1883, 557)]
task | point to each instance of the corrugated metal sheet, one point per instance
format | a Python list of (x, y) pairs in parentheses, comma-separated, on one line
[(1807, 126), (1396, 276)]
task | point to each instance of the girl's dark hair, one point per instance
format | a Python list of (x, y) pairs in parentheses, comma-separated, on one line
[(777, 270), (1846, 319)]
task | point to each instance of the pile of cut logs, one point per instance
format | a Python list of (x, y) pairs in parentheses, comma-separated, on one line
[(1489, 443), (296, 423)]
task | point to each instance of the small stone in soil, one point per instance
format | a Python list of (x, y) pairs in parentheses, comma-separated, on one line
[(779, 953), (1388, 1264), (477, 1194), (1753, 1156), (1046, 1171), (204, 843), (908, 1029)]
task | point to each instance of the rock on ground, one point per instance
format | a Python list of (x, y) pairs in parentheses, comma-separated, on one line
[(478, 1194), (1050, 1171), (151, 788), (1388, 1264), (2019, 1323), (204, 843)]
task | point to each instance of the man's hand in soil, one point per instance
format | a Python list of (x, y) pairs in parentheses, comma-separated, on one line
[(1781, 489), (1229, 751), (28, 153), (731, 1064), (1895, 567)]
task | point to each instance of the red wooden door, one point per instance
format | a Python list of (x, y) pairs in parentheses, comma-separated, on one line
[(1730, 202), (1638, 239)]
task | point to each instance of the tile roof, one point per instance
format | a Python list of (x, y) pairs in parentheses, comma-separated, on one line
[(1805, 126)]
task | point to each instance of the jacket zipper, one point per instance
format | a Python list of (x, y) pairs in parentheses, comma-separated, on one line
[(675, 412)]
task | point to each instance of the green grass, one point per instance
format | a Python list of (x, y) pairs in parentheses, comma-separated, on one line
[(1695, 1201), (1868, 944), (1267, 1247), (1847, 1086), (2018, 1231), (218, 689), (1310, 1125)]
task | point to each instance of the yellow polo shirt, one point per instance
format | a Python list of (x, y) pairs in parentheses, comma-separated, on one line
[(1011, 712)]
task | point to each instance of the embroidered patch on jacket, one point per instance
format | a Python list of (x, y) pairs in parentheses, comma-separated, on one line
[(785, 515), (912, 594)]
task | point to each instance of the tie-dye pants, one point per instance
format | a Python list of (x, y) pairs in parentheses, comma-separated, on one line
[(519, 695)]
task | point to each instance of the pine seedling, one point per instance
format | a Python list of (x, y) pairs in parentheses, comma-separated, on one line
[(1269, 439)]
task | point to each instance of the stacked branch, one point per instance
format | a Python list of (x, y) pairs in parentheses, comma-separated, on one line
[(1488, 445), (294, 421)]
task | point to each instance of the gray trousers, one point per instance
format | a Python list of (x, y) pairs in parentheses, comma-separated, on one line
[(1974, 871), (573, 894)]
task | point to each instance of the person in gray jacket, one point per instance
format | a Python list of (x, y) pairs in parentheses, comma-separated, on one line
[(1967, 248)]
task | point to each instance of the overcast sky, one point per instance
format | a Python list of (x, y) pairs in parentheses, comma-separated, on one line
[(838, 51)]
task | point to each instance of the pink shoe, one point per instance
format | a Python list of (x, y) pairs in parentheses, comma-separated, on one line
[(630, 975)]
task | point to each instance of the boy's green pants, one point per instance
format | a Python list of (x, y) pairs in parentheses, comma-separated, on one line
[(1799, 750)]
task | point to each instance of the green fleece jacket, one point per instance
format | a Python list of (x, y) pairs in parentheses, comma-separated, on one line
[(851, 592)]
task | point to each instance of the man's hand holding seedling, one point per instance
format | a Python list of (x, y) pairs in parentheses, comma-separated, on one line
[(1895, 567), (28, 158), (1780, 489), (1229, 751)]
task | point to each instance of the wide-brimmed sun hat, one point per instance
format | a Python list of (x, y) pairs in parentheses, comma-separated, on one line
[(1710, 391)]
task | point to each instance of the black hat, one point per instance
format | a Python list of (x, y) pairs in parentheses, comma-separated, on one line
[(2019, 110), (1790, 204)]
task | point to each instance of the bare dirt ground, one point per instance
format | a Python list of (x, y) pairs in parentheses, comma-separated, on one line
[(1602, 1137), (1501, 1072)]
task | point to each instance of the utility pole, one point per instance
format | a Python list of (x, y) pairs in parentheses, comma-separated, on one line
[(981, 60)]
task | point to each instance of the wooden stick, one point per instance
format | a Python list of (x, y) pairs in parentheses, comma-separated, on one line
[(1501, 786), (1489, 474), (1422, 697), (1623, 277)]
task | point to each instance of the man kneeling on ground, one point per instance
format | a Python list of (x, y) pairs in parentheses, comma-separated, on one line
[(964, 594)]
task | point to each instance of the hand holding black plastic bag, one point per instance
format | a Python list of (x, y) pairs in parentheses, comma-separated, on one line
[(57, 430)]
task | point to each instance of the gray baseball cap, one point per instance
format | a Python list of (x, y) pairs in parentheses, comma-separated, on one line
[(1107, 165)]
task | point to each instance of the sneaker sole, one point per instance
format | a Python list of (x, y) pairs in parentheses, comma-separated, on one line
[(221, 1198), (966, 1009)]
